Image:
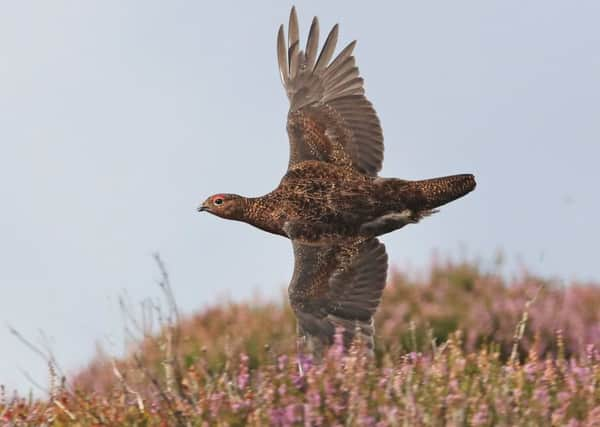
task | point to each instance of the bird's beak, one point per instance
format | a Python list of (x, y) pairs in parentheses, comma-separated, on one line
[(201, 208)]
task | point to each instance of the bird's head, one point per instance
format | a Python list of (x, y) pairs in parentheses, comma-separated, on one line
[(230, 206)]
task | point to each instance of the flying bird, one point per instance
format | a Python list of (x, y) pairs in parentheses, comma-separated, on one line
[(330, 203)]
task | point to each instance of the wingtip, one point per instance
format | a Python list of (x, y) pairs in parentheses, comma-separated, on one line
[(293, 30), (282, 58), (312, 43), (327, 50), (293, 15), (280, 34), (314, 24)]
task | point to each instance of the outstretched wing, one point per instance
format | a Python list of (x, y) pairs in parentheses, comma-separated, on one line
[(329, 118), (337, 286)]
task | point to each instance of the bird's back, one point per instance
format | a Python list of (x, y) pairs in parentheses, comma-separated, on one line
[(323, 189)]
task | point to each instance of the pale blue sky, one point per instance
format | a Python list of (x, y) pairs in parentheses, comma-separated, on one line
[(118, 118)]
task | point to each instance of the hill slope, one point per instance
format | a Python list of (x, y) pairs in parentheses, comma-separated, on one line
[(460, 348)]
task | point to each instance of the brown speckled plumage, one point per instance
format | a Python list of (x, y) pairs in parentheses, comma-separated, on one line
[(331, 203)]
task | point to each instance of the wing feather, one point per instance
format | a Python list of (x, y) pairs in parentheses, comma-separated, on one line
[(293, 31), (282, 60), (327, 50), (294, 58), (312, 43), (337, 286), (330, 119), (344, 55)]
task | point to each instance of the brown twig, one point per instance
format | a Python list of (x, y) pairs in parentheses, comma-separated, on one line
[(164, 395), (520, 328), (121, 378), (173, 370)]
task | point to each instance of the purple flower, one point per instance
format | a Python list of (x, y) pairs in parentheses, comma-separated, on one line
[(282, 361), (480, 418), (243, 375)]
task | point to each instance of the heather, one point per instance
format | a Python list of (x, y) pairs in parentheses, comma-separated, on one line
[(457, 346)]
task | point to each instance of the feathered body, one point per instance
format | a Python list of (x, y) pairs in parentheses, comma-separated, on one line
[(326, 203)]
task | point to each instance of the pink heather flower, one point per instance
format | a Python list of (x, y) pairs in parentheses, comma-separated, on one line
[(591, 352), (541, 396), (216, 399), (390, 414), (530, 370), (571, 382), (581, 372), (454, 394), (330, 389), (236, 405), (311, 415), (593, 417), (299, 381), (307, 361), (336, 351), (367, 421), (540, 393), (243, 375), (284, 417), (480, 418), (282, 390), (282, 362), (276, 416), (314, 399), (383, 382), (290, 414), (413, 356)]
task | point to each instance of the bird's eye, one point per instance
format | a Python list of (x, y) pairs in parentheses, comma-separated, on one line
[(218, 201)]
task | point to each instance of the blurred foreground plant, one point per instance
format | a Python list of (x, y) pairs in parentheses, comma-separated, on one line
[(443, 387), (460, 348)]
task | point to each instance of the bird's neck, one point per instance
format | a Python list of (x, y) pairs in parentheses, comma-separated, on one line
[(259, 212)]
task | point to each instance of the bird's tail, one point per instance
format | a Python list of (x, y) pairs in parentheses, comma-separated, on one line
[(431, 193)]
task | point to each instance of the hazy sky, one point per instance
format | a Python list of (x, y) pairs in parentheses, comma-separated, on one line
[(118, 118)]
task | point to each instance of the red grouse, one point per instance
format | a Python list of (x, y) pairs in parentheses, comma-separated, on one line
[(331, 204)]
